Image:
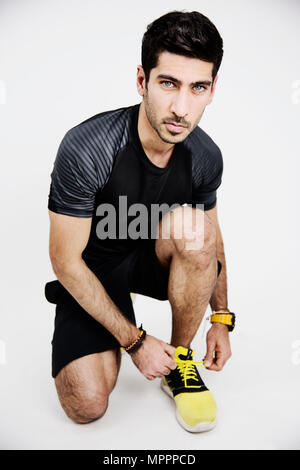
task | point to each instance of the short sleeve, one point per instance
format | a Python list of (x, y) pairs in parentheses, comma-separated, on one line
[(207, 181), (74, 181)]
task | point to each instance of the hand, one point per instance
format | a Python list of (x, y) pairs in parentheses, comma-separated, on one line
[(154, 358), (218, 347)]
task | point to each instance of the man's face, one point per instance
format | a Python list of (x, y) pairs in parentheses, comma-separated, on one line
[(178, 90)]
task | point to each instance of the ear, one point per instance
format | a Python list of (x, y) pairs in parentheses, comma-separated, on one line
[(140, 80), (213, 88)]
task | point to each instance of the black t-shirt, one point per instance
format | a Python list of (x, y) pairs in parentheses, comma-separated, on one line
[(102, 158)]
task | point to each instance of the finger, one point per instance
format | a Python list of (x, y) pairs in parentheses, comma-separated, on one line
[(171, 365), (222, 358), (170, 350), (171, 356), (166, 371), (213, 366), (209, 358), (150, 377), (219, 361), (160, 375)]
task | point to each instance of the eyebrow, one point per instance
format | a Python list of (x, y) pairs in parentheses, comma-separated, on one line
[(175, 80)]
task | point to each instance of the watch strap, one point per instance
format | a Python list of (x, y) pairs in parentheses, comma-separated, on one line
[(227, 318)]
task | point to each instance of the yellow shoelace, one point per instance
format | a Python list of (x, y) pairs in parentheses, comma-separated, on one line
[(187, 371)]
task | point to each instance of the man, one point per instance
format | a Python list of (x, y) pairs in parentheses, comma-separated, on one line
[(150, 153)]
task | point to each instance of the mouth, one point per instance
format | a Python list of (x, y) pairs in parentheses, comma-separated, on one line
[(175, 127)]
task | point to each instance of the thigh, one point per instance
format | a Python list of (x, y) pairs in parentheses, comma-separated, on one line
[(83, 385), (89, 375)]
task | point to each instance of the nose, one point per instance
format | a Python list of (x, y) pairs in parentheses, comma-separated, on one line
[(180, 105)]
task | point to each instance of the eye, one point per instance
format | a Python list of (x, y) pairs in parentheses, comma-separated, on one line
[(167, 83), (197, 87)]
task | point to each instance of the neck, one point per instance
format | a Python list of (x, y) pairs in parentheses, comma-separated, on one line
[(158, 151)]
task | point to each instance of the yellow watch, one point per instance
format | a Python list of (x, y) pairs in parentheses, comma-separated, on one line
[(223, 316)]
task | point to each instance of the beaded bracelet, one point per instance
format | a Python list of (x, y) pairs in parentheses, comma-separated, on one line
[(137, 343)]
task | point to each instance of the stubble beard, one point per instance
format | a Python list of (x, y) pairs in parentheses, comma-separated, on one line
[(153, 120)]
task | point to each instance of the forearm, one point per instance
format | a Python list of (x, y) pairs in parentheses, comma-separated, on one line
[(219, 299), (88, 291)]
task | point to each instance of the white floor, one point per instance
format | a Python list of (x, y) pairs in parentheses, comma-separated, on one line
[(257, 395)]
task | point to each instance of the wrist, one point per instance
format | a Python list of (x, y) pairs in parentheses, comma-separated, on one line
[(219, 326), (220, 310), (137, 342), (130, 337), (223, 317)]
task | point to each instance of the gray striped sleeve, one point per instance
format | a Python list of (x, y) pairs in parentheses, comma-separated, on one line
[(205, 189), (75, 178), (207, 169)]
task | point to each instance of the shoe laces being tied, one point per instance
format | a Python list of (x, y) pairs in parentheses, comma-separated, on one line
[(187, 369)]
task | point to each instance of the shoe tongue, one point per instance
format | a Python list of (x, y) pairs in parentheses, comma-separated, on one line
[(184, 353)]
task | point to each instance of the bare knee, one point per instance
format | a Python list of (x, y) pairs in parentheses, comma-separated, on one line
[(83, 386), (83, 407), (190, 232), (87, 409)]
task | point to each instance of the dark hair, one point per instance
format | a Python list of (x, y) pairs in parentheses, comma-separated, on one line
[(186, 33)]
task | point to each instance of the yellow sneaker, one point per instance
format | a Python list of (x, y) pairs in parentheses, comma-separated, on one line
[(196, 409)]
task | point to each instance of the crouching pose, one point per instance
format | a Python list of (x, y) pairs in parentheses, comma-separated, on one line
[(111, 174)]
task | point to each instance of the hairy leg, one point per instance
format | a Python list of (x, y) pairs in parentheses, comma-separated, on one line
[(83, 386), (193, 271)]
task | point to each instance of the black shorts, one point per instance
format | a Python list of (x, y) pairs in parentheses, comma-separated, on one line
[(76, 333)]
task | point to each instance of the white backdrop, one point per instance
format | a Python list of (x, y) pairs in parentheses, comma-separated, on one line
[(62, 62)]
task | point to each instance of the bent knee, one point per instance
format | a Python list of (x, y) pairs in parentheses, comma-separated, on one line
[(86, 411), (191, 230)]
